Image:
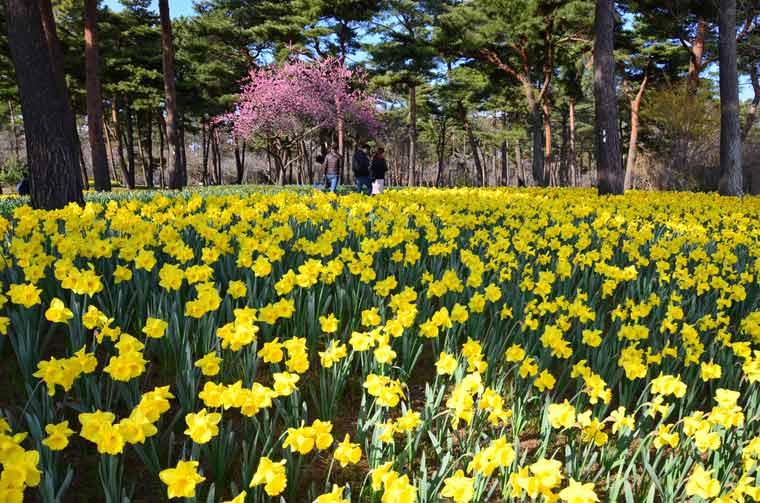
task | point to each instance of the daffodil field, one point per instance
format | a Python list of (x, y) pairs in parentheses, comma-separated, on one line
[(420, 346)]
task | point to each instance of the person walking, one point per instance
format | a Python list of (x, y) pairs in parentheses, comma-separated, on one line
[(332, 164), (377, 170), (361, 170)]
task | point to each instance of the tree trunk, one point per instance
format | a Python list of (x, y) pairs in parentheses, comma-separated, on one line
[(609, 163), (752, 115), (162, 152), (130, 145), (549, 171), (182, 151), (53, 46), (149, 149), (82, 165), (564, 171), (696, 55), (120, 142), (94, 100), (216, 159), (633, 144), (176, 171), (341, 138), (109, 151), (730, 134), (204, 152), (51, 151), (520, 167), (141, 150), (239, 162), (572, 156), (473, 143), (14, 133), (412, 133), (538, 146), (504, 151)]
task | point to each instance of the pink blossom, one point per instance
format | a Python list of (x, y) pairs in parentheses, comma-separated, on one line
[(298, 96)]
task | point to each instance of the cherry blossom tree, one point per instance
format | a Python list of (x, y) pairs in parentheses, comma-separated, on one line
[(284, 104)]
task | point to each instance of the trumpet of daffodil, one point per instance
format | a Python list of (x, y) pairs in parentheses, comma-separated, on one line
[(322, 434), (446, 364), (347, 452), (182, 479), (93, 318), (592, 338), (271, 475), (515, 353), (664, 436), (334, 352), (300, 440), (58, 436), (544, 381), (20, 470), (548, 473), (329, 324), (334, 496), (272, 352), (384, 353), (498, 454), (25, 294), (399, 490), (702, 484), (202, 426), (237, 289), (710, 371), (155, 328), (285, 383), (408, 422), (561, 415), (576, 492), (98, 427), (126, 366), (382, 474), (459, 487), (209, 364), (668, 385), (371, 317), (58, 312)]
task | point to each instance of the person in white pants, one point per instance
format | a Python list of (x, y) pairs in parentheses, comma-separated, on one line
[(377, 170)]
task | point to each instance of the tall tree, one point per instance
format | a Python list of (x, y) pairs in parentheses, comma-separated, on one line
[(53, 45), (520, 38), (405, 59), (609, 161), (51, 151), (177, 173), (334, 31), (730, 129), (94, 99)]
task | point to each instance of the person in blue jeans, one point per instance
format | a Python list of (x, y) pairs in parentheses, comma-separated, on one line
[(361, 170), (332, 169)]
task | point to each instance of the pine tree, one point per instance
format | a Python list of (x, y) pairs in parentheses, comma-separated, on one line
[(94, 100), (404, 59), (52, 154), (609, 161), (521, 39), (730, 133), (177, 172)]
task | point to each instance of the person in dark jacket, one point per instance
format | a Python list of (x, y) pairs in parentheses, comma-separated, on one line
[(361, 170), (378, 169), (23, 186), (332, 165)]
